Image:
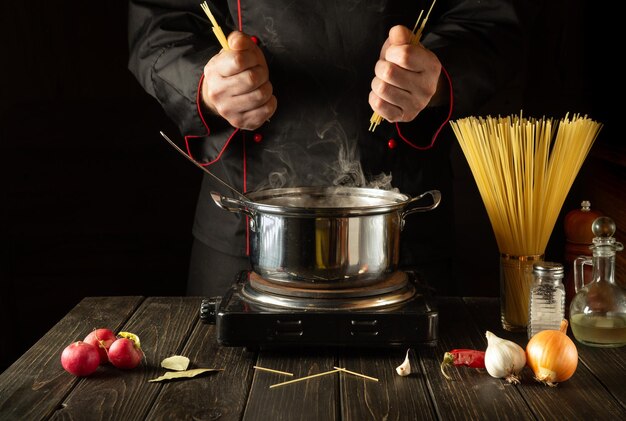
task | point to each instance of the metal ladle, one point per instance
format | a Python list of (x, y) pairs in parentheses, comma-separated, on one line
[(222, 182)]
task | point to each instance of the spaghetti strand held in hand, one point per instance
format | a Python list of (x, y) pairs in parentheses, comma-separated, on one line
[(416, 35), (219, 34)]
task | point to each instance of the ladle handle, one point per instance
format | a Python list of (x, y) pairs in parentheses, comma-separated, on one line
[(197, 164), (436, 195), (232, 205)]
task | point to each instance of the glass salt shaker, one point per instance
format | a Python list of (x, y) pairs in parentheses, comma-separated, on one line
[(547, 298)]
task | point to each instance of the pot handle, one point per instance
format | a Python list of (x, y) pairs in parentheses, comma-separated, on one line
[(435, 194), (232, 205)]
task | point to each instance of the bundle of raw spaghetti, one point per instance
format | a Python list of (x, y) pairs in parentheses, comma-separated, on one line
[(524, 169)]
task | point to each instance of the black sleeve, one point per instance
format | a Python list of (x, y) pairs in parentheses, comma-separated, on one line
[(483, 46), (170, 41)]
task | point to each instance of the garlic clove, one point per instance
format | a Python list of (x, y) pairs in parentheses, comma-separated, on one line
[(176, 363), (404, 369), (504, 359)]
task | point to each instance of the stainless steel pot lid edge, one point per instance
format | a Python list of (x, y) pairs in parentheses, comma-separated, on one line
[(287, 201)]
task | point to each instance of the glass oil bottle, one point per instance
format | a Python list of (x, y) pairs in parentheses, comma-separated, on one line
[(598, 310)]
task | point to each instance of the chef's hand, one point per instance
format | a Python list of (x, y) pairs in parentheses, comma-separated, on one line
[(236, 84), (407, 78)]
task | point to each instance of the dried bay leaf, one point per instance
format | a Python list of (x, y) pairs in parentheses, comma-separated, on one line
[(175, 362), (171, 375)]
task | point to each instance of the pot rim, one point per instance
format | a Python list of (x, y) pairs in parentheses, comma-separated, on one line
[(389, 201), (393, 202)]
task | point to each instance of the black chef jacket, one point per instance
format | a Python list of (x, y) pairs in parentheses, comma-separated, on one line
[(321, 57)]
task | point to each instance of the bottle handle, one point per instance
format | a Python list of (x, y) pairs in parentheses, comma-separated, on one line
[(579, 271)]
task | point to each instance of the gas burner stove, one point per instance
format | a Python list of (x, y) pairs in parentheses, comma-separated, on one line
[(257, 314)]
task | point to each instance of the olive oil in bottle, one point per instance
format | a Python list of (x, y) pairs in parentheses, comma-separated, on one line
[(599, 330)]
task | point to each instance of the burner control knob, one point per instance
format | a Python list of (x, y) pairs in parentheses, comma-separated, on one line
[(208, 309)]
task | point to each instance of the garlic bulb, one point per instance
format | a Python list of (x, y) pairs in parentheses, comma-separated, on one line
[(404, 369), (504, 358)]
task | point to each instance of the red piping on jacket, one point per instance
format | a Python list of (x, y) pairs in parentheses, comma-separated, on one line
[(245, 160), (219, 155), (432, 142), (245, 190), (199, 107), (239, 15)]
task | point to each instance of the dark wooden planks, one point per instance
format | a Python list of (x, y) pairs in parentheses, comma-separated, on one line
[(163, 326), (608, 365), (34, 386), (582, 397), (220, 395), (312, 399), (393, 397), (471, 394)]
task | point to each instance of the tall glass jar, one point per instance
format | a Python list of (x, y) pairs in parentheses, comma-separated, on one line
[(516, 277), (598, 310)]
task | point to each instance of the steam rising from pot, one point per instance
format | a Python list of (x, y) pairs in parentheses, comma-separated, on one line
[(302, 164)]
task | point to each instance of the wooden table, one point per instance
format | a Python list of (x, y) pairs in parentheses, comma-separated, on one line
[(36, 386)]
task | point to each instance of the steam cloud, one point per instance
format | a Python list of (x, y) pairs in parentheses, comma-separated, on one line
[(344, 170)]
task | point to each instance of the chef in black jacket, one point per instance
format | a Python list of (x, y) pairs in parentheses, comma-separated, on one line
[(287, 105)]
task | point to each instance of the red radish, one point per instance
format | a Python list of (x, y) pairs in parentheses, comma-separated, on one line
[(125, 353), (80, 358), (101, 339)]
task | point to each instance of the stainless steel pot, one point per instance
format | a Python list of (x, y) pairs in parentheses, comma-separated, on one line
[(325, 237)]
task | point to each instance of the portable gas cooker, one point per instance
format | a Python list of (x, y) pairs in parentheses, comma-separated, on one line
[(257, 313)]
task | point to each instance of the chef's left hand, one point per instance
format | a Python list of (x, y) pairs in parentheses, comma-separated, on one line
[(407, 77)]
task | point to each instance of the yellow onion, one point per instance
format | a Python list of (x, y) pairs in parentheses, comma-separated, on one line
[(552, 355)]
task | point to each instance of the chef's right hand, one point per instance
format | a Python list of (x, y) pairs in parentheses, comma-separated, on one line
[(236, 84)]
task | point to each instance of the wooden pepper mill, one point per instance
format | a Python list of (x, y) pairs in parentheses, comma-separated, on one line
[(578, 238)]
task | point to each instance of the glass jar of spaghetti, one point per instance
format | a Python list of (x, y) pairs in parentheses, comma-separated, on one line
[(516, 278)]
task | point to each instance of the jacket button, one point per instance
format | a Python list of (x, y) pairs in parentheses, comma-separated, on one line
[(254, 39), (391, 143), (257, 137)]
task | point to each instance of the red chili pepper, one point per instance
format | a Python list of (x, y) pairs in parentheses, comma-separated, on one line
[(463, 357)]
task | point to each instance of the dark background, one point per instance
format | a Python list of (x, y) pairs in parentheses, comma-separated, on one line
[(95, 203)]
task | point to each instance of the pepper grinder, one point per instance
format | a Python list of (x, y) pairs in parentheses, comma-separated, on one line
[(578, 237)]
